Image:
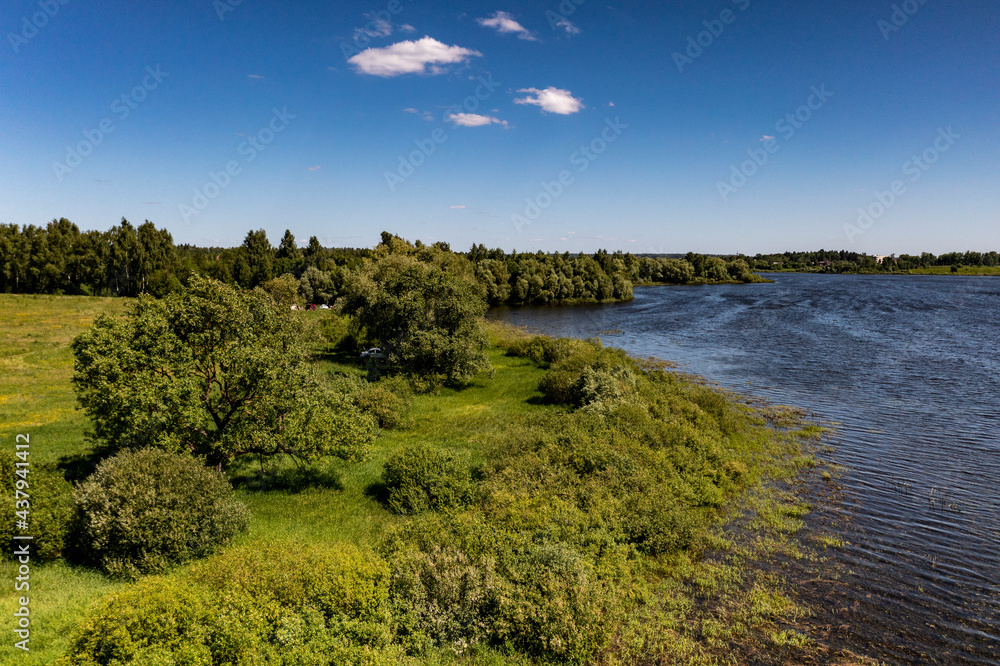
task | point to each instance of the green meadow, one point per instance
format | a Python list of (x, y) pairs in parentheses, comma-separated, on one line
[(717, 605)]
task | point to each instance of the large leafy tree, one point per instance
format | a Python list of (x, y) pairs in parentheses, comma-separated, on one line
[(214, 371), (426, 318)]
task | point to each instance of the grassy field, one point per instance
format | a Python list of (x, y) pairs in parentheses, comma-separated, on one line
[(706, 607), (36, 398)]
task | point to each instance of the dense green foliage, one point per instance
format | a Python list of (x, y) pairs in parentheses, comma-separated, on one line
[(556, 554), (420, 477), (547, 558), (214, 371), (129, 261), (853, 262), (278, 603), (142, 511), (424, 317), (49, 507)]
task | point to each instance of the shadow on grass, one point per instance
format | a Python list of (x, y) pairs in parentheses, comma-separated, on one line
[(378, 492), (285, 479), (78, 466)]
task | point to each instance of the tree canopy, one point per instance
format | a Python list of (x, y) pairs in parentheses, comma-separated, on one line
[(426, 318), (216, 372)]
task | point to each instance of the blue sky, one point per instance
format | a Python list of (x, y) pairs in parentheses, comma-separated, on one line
[(726, 126)]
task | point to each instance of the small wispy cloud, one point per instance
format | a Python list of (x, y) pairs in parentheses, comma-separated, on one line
[(457, 207), (568, 26), (152, 203), (474, 120), (767, 138), (425, 55), (504, 23), (410, 110), (552, 99), (254, 76), (406, 27), (314, 168), (376, 27)]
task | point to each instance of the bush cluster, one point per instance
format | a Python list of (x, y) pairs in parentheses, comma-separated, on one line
[(388, 400), (459, 581), (420, 477), (546, 560), (279, 603), (142, 511), (50, 508)]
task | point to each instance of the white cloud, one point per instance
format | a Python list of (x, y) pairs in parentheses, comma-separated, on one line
[(767, 138), (505, 24), (566, 25), (410, 58), (410, 110), (474, 120), (254, 76), (457, 207), (313, 168), (406, 27), (552, 99)]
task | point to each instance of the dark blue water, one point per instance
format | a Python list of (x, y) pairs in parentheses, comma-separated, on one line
[(909, 367)]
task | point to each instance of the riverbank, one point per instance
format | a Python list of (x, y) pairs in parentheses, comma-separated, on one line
[(712, 599)]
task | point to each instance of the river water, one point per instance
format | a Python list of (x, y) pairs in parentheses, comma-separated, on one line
[(909, 369)]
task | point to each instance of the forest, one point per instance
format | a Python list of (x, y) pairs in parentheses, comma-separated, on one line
[(842, 261), (127, 260)]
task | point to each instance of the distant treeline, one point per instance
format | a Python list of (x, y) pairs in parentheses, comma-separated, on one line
[(127, 261), (853, 262)]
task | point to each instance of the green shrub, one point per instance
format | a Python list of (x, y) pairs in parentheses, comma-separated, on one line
[(159, 621), (280, 603), (142, 511), (604, 388), (419, 478), (462, 581), (50, 507), (387, 400), (340, 581), (542, 349), (444, 597)]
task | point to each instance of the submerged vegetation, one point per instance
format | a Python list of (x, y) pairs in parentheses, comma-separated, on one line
[(520, 500)]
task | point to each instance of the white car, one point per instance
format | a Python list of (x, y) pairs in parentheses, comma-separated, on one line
[(375, 353)]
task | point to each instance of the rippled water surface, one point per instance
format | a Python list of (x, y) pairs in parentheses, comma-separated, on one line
[(910, 369)]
